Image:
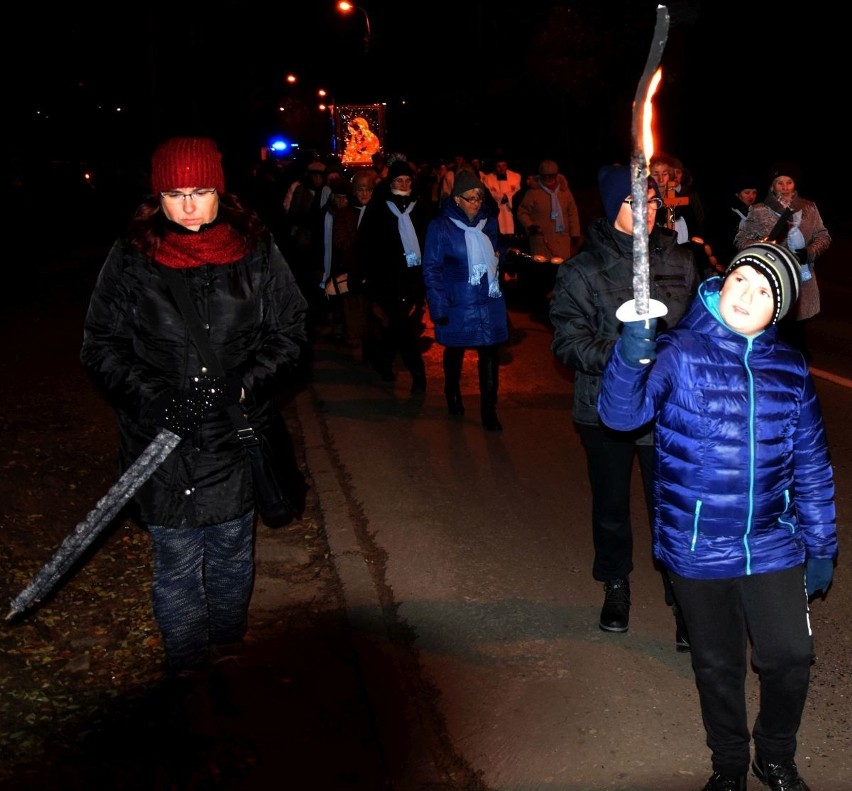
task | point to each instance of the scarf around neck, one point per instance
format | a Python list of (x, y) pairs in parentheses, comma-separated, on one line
[(407, 234), (555, 208), (213, 244), (481, 259)]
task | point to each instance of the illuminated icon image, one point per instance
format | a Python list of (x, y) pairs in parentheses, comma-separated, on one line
[(361, 129)]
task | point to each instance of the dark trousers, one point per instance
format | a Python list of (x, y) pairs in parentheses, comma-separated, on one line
[(609, 460), (201, 588), (400, 334), (721, 615)]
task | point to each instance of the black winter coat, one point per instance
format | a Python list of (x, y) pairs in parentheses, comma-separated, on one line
[(380, 257), (592, 285), (136, 345)]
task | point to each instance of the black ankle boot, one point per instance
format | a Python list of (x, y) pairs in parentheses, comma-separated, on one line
[(615, 613), (490, 422), (720, 782), (455, 408)]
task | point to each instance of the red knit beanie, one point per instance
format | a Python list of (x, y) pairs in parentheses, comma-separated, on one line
[(183, 162)]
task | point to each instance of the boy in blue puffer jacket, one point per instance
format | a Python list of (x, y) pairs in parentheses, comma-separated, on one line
[(744, 513)]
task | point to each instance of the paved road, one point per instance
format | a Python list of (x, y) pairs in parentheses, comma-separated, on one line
[(466, 557)]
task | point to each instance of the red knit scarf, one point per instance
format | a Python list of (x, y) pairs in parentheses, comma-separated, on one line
[(216, 244)]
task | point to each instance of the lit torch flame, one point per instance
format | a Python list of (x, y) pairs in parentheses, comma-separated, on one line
[(648, 116), (641, 306)]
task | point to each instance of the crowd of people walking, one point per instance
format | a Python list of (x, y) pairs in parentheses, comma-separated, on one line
[(370, 257)]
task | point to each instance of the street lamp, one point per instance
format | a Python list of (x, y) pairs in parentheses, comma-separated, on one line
[(348, 8)]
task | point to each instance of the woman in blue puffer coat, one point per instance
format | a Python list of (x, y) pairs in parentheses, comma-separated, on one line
[(744, 507), (463, 292)]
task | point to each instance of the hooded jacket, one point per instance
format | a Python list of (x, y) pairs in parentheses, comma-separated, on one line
[(743, 479), (592, 286)]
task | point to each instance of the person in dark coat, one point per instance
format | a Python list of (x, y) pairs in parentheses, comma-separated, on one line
[(463, 292), (746, 524), (724, 223), (388, 256), (199, 504), (589, 289)]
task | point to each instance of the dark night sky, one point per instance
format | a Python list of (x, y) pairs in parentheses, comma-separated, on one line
[(744, 83)]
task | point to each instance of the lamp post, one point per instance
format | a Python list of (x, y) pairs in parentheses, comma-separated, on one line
[(347, 8)]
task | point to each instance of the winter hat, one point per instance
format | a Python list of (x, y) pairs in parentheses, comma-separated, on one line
[(790, 169), (744, 181), (779, 266), (548, 168), (399, 168), (466, 180), (187, 162), (614, 185), (315, 167)]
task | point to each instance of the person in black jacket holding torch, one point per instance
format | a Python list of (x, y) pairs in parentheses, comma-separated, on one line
[(589, 289)]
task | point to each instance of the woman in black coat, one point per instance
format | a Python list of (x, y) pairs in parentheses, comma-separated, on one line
[(199, 505)]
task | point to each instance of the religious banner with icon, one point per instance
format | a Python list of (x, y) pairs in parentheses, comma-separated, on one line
[(360, 132)]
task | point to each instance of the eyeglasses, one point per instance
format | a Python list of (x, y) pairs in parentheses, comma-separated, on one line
[(653, 203), (475, 199), (176, 196)]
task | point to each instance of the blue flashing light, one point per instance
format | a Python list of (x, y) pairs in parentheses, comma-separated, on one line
[(281, 147)]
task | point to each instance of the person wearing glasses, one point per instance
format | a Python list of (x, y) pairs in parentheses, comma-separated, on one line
[(198, 506), (589, 289), (460, 270)]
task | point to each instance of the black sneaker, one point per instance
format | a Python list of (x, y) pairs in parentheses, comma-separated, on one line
[(615, 613), (720, 782), (779, 777), (681, 635)]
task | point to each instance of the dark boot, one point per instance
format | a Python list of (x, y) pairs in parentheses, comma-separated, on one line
[(488, 367), (720, 782), (453, 359), (779, 777), (615, 613), (418, 375)]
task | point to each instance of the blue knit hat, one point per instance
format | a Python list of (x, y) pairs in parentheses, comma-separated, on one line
[(614, 186)]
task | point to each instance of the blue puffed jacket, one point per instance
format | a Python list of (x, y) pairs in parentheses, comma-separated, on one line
[(743, 478), (475, 318)]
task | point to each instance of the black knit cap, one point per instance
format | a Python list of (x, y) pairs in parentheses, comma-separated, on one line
[(779, 266), (399, 168), (466, 180), (790, 169)]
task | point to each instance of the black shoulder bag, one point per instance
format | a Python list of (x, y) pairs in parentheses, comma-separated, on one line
[(273, 504)]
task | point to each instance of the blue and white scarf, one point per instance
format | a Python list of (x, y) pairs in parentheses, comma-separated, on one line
[(327, 225), (481, 259), (407, 234), (555, 209)]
